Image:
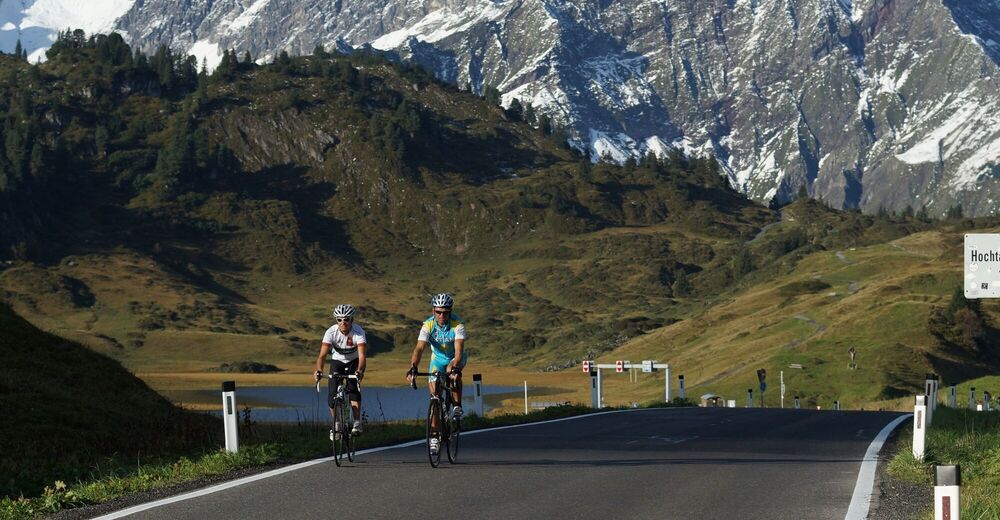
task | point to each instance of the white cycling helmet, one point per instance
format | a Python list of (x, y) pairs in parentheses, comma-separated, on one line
[(442, 300), (344, 310)]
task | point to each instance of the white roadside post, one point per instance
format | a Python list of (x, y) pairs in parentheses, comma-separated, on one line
[(929, 392), (947, 482), (986, 400), (796, 402), (749, 397), (972, 398), (836, 405), (782, 374), (919, 427), (525, 398), (229, 412), (477, 381), (953, 397), (680, 384)]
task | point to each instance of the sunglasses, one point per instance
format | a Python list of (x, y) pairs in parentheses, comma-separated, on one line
[(441, 313), (344, 320)]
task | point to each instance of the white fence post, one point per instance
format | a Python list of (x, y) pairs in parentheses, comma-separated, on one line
[(477, 381), (919, 427), (947, 482), (229, 416)]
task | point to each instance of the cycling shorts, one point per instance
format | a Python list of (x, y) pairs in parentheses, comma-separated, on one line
[(440, 364)]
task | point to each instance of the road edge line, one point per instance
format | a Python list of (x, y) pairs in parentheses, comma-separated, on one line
[(301, 465), (865, 486)]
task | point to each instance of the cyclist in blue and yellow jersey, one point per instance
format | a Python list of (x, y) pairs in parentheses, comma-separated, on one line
[(445, 332)]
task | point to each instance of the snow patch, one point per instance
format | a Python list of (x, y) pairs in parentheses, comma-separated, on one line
[(93, 16), (208, 53), (247, 17)]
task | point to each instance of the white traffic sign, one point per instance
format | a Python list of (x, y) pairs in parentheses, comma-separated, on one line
[(647, 365), (982, 265), (619, 366), (586, 365)]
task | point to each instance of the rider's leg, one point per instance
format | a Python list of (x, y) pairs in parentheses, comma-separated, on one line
[(432, 386)]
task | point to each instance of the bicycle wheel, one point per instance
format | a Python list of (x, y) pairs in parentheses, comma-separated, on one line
[(338, 432), (434, 411), (454, 430), (349, 433)]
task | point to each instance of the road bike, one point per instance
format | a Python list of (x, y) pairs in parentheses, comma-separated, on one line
[(343, 437), (442, 406)]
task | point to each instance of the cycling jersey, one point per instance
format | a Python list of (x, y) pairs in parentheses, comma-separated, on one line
[(345, 346), (442, 337)]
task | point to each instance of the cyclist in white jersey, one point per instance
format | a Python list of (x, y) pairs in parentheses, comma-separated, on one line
[(345, 343)]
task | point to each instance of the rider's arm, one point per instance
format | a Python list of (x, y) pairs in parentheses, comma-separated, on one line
[(323, 352), (417, 352), (362, 361)]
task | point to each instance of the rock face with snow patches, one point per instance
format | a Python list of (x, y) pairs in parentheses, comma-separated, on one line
[(868, 103)]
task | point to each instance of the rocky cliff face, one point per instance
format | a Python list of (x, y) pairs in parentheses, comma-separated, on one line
[(868, 103)]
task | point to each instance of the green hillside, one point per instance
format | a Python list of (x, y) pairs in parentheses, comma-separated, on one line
[(176, 220), (67, 409)]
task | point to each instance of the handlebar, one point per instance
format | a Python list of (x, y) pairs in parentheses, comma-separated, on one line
[(337, 376), (413, 382)]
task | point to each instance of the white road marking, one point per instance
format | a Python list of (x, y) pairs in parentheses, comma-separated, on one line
[(273, 473), (861, 500)]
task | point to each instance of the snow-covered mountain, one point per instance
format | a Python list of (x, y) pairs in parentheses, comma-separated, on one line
[(868, 103)]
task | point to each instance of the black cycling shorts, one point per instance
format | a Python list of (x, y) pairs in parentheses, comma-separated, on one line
[(348, 368)]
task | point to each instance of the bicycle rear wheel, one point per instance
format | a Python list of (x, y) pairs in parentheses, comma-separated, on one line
[(338, 433), (434, 412), (454, 430)]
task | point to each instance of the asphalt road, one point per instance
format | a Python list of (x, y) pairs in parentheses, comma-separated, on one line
[(662, 463)]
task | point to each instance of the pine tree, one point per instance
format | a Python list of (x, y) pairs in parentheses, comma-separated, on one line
[(529, 114), (17, 50), (515, 111)]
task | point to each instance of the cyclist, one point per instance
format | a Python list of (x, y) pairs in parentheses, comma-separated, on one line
[(345, 343), (445, 332)]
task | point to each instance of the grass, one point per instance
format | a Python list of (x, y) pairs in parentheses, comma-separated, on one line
[(263, 444), (969, 439)]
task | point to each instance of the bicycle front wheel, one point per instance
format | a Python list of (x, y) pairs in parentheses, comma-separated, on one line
[(349, 432), (454, 430), (338, 433), (434, 414)]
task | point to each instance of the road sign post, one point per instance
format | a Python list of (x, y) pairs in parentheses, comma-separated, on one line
[(600, 389), (229, 413), (680, 386), (477, 381), (781, 374), (594, 395), (667, 384)]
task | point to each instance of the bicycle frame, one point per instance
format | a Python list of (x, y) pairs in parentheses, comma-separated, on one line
[(343, 438)]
